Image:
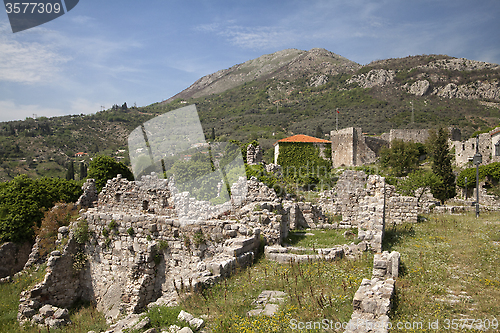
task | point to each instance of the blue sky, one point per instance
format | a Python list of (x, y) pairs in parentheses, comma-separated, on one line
[(110, 52)]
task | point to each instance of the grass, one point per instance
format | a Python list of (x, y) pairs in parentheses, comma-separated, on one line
[(449, 270), (320, 239), (314, 290)]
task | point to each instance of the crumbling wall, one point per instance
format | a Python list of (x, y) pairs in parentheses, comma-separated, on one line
[(60, 287), (372, 301), (254, 154), (136, 255), (150, 195), (355, 193), (141, 258), (13, 256)]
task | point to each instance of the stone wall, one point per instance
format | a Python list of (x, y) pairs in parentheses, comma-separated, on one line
[(343, 199), (60, 287), (140, 253), (409, 135), (465, 150), (370, 214), (89, 196), (147, 256), (401, 209), (13, 256), (355, 193), (372, 301), (254, 155), (303, 215), (150, 195), (349, 148)]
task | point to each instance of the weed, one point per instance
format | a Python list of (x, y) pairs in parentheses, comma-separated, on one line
[(162, 245), (79, 261), (81, 233), (113, 225), (198, 238)]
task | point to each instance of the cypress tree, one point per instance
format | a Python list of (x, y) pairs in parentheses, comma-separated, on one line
[(83, 170), (441, 166), (70, 174)]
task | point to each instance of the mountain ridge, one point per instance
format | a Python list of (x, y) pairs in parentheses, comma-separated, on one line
[(284, 64), (271, 97)]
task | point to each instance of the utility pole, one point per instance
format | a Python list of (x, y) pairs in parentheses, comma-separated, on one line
[(412, 114), (337, 127), (477, 159)]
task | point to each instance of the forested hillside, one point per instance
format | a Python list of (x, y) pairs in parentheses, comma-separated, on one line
[(280, 95)]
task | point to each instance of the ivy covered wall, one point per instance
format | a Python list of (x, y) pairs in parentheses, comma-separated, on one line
[(299, 159)]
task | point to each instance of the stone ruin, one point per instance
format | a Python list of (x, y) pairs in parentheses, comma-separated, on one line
[(140, 253), (368, 203), (254, 155)]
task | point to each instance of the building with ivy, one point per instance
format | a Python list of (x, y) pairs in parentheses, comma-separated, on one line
[(303, 154)]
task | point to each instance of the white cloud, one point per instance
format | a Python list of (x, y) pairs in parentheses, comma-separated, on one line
[(28, 62), (256, 37)]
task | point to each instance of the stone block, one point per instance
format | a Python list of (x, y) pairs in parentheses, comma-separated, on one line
[(185, 330), (47, 310)]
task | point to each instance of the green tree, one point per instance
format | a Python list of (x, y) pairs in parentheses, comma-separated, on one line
[(23, 201), (418, 182), (104, 167), (402, 157), (83, 170), (319, 132), (441, 165), (70, 174)]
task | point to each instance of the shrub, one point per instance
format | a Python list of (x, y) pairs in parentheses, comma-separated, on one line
[(23, 201), (53, 219), (113, 225), (103, 168), (402, 157), (79, 261)]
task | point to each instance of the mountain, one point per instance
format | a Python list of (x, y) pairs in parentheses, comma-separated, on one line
[(289, 64), (272, 97)]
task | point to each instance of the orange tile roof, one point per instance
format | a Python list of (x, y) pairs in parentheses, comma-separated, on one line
[(303, 138), (495, 131)]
